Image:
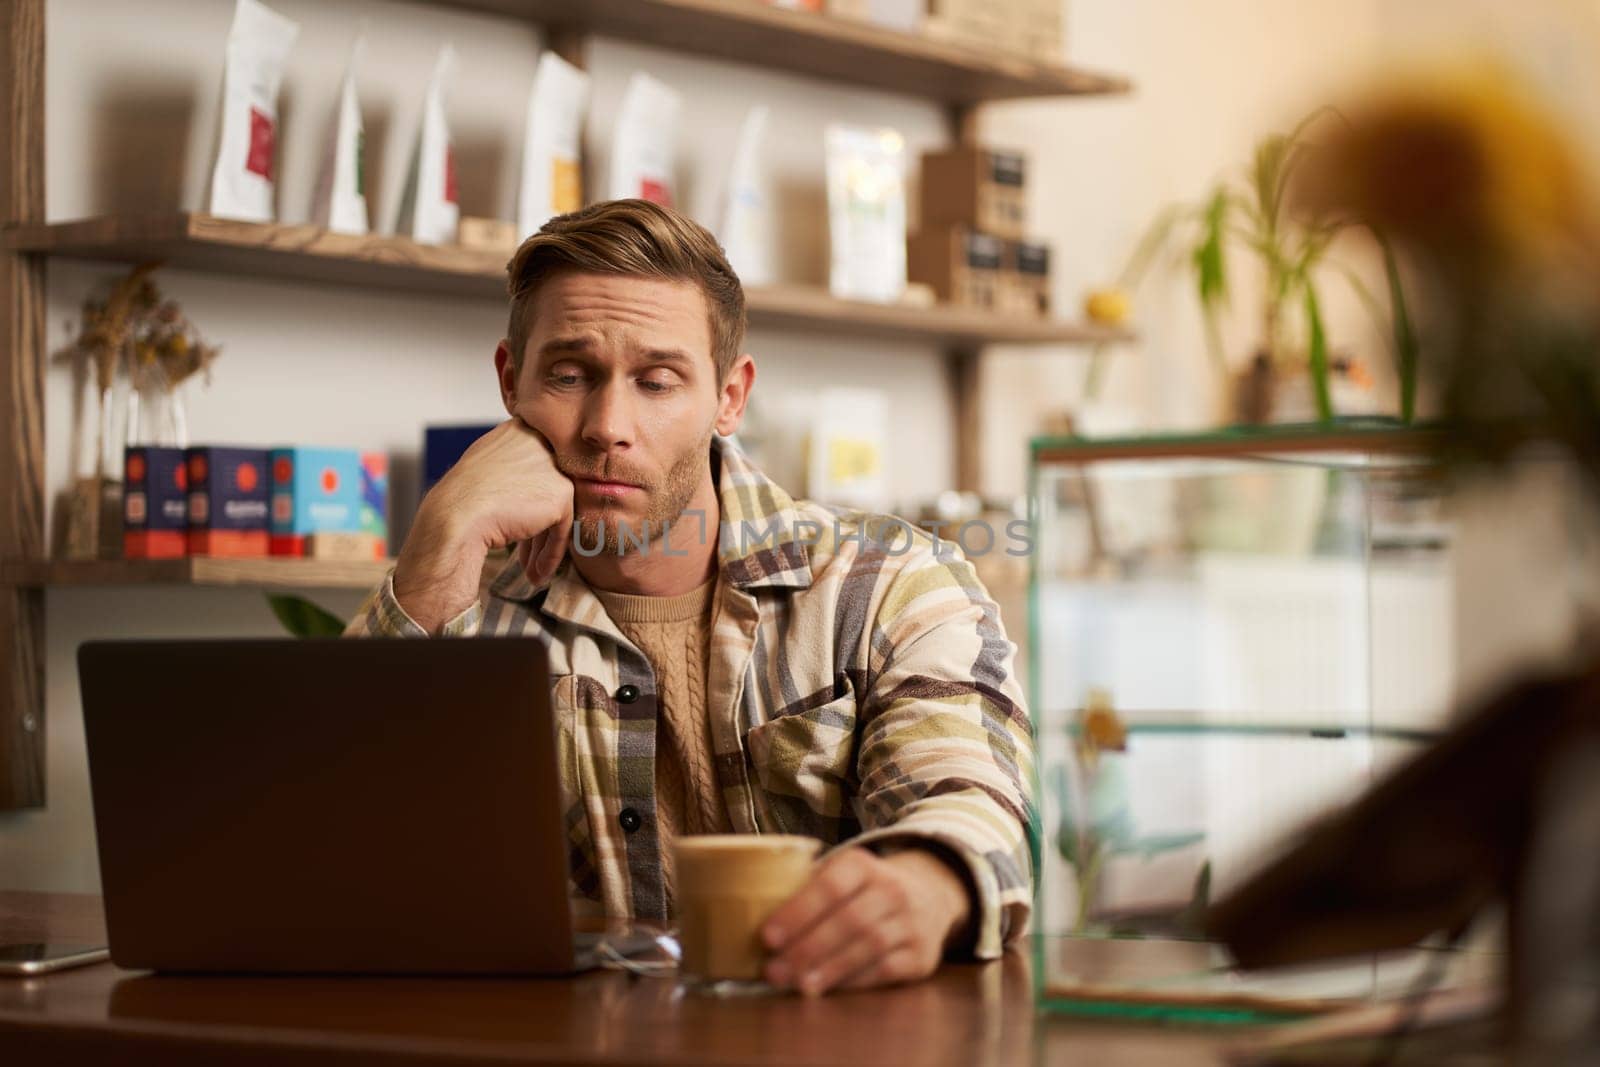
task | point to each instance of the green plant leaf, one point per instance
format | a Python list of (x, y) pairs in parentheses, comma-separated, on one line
[(1094, 377), (1088, 886), (1066, 829), (1209, 261), (1192, 919), (1110, 811), (1291, 151), (301, 618), (1317, 239), (1405, 338), (1380, 321), (1264, 172), (1211, 275), (1317, 353), (1150, 242), (1213, 334), (1155, 844)]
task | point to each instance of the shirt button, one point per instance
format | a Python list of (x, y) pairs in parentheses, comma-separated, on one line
[(627, 694), (629, 819)]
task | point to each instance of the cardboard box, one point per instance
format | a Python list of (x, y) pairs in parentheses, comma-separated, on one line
[(344, 547), (314, 490), (980, 188), (1025, 279), (980, 20), (960, 265), (487, 235), (155, 503), (229, 490), (976, 24), (1028, 28), (903, 15), (1039, 28)]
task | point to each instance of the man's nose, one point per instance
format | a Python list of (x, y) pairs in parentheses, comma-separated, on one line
[(608, 418)]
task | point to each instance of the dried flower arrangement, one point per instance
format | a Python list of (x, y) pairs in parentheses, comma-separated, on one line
[(157, 348)]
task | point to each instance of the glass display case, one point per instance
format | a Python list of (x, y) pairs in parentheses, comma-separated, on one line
[(1229, 634)]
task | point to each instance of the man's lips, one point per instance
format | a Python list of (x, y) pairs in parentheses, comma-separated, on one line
[(607, 488)]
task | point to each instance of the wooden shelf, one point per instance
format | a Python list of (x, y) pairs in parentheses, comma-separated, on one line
[(310, 253), (1368, 435), (273, 250), (251, 573), (809, 308), (829, 47)]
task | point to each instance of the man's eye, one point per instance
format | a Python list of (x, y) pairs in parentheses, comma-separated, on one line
[(565, 379), (650, 385)]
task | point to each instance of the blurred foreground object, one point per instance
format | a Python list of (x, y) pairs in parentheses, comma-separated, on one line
[(1492, 215), (1497, 221)]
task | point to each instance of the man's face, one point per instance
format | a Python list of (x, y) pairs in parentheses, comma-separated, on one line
[(618, 376)]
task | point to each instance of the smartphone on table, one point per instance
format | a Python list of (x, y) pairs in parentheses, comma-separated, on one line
[(28, 958)]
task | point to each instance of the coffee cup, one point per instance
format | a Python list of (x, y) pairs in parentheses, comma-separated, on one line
[(727, 886)]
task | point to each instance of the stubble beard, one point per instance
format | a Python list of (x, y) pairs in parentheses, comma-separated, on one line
[(664, 503)]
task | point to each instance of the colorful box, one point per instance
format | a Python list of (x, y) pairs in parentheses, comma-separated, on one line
[(155, 505), (314, 490), (228, 502), (375, 499)]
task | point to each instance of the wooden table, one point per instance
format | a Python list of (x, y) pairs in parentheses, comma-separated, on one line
[(972, 1014)]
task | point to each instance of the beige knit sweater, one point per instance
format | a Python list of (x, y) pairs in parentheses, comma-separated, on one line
[(674, 633)]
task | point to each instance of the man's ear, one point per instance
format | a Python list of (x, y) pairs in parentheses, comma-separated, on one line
[(735, 394), (505, 368)]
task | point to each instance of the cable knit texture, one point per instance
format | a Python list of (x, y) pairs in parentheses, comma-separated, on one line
[(674, 633)]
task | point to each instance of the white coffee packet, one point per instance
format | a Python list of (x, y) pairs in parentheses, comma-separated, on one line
[(644, 147), (243, 179), (428, 210), (552, 182), (866, 212), (340, 203), (745, 228), (845, 456)]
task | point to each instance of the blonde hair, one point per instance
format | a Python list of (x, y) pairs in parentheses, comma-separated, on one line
[(636, 237)]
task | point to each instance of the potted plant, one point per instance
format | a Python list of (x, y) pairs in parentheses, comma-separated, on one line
[(1251, 214)]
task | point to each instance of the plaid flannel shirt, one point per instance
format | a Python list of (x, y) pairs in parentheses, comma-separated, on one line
[(861, 690)]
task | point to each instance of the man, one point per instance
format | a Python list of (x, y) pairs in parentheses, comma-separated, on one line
[(724, 658)]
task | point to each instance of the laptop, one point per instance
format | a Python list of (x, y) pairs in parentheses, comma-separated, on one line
[(329, 806)]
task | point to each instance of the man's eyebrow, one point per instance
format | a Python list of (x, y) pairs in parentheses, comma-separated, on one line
[(669, 355), (580, 344), (565, 344)]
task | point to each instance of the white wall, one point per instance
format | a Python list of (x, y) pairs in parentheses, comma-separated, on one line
[(132, 99), (1210, 80), (132, 103)]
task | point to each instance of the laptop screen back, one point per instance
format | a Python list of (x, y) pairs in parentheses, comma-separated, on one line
[(363, 806)]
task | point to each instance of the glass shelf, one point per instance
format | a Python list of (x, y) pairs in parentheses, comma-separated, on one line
[(1277, 606), (1193, 723)]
